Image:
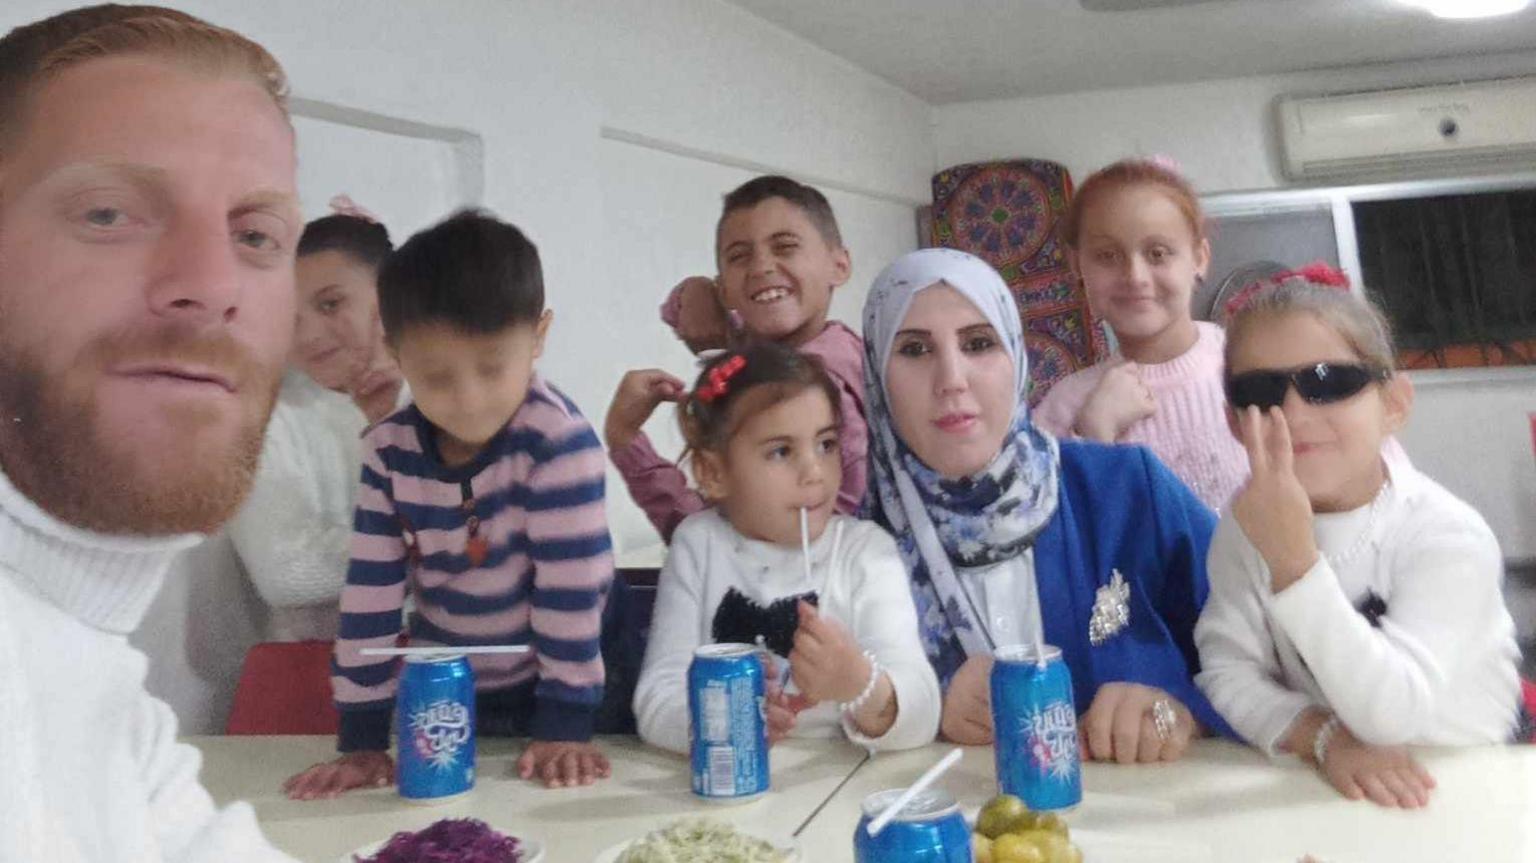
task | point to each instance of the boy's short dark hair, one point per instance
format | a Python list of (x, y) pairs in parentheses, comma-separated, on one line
[(470, 271), (366, 241), (810, 201)]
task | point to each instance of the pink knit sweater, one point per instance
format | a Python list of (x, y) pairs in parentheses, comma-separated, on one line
[(1189, 429)]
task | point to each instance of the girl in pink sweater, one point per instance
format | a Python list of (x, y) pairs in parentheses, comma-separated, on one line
[(1136, 236)]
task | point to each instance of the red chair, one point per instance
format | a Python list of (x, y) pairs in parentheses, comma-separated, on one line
[(1528, 688), (285, 688)]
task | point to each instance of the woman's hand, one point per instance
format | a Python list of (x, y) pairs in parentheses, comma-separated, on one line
[(332, 778), (1273, 509), (1119, 726), (967, 716), (1119, 400)]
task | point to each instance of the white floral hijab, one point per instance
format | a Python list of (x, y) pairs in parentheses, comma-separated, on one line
[(942, 523)]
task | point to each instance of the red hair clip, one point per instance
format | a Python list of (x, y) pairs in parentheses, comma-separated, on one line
[(1316, 273), (720, 379)]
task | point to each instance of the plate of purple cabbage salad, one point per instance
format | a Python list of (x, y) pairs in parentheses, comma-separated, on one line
[(451, 840)]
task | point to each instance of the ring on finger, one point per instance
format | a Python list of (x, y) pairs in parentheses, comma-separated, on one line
[(1164, 718)]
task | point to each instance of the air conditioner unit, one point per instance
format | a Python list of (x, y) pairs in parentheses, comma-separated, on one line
[(1455, 128)]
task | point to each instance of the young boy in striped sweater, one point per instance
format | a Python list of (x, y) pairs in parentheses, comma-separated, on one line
[(483, 499)]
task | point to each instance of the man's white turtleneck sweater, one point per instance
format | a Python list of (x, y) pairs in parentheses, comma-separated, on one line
[(94, 772)]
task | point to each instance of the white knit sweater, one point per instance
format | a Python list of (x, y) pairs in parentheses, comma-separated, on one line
[(294, 531), (93, 769), (1439, 670), (861, 582)]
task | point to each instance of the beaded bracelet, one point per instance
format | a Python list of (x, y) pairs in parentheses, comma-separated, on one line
[(1323, 737), (869, 687)]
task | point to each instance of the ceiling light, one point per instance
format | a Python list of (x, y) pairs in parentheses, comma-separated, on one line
[(1469, 8)]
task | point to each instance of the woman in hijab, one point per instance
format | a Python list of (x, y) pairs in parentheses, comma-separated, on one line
[(1013, 538)]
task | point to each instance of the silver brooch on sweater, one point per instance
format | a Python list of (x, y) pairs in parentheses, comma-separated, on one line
[(1111, 609)]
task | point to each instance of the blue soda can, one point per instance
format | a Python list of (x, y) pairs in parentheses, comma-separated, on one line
[(930, 829), (1036, 727), (435, 729), (727, 736)]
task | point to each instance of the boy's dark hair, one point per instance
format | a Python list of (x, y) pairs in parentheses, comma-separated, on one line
[(363, 239), (756, 377), (470, 271), (809, 200)]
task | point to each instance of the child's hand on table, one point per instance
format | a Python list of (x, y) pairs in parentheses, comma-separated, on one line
[(332, 778), (1386, 775), (563, 763)]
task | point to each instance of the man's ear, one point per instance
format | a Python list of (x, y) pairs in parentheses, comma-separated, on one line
[(541, 330)]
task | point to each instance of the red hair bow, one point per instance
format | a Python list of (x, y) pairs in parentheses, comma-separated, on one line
[(720, 379), (1316, 273)]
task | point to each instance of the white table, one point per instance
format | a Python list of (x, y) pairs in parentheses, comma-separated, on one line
[(648, 788), (1221, 803), (1225, 802)]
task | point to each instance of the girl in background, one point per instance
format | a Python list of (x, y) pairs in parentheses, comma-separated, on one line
[(1136, 235)]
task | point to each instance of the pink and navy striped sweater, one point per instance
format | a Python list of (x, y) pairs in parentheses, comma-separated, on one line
[(512, 547)]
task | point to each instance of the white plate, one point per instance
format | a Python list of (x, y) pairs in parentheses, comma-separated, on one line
[(532, 851), (790, 848)]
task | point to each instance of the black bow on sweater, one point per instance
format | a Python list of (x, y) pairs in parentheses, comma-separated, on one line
[(740, 620)]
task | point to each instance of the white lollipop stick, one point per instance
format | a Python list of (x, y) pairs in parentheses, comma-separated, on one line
[(444, 651), (805, 542), (916, 788)]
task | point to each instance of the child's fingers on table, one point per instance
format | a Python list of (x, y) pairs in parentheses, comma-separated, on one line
[(571, 772), (1408, 790), (1345, 781), (320, 783), (1411, 778), (601, 764), (1423, 775), (1377, 790), (587, 767), (549, 771)]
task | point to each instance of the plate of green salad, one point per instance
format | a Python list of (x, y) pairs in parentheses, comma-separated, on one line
[(702, 840)]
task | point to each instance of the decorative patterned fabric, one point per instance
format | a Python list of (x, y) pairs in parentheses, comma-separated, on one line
[(1006, 214)]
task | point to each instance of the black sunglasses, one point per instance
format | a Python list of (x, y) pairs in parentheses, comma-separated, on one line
[(1319, 384)]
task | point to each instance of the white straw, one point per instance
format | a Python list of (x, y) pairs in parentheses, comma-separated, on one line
[(444, 651), (805, 543), (917, 788)]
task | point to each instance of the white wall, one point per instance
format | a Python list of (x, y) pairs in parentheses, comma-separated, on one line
[(1220, 132), (1469, 430), (617, 225)]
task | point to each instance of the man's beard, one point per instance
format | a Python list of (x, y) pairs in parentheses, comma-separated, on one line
[(57, 450)]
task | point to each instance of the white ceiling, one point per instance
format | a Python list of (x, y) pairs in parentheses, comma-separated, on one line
[(964, 50)]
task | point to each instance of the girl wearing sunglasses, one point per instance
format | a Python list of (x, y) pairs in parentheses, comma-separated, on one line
[(1355, 604)]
